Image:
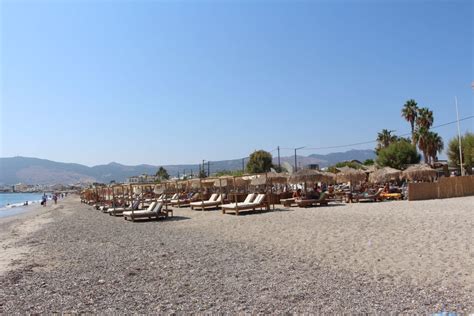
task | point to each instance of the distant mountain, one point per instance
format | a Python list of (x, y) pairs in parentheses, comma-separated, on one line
[(41, 171), (333, 158)]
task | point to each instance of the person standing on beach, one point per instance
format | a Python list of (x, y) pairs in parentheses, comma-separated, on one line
[(55, 198), (43, 201)]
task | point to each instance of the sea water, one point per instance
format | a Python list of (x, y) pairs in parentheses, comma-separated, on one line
[(13, 203)]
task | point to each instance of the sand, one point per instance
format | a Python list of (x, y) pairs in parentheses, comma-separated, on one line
[(368, 257)]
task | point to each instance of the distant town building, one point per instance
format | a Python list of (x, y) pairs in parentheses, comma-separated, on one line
[(144, 178), (20, 187), (313, 166)]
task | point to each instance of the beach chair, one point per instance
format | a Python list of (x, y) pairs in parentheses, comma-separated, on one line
[(212, 204), (209, 203), (165, 199), (184, 201), (258, 203), (391, 196), (312, 202), (288, 202), (155, 210), (367, 197), (249, 199), (117, 211)]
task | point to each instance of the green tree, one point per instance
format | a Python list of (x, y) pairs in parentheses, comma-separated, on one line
[(162, 174), (422, 135), (349, 164), (202, 173), (384, 139), (397, 155), (229, 173), (425, 118), (434, 145), (369, 162), (260, 161), (467, 145), (409, 113)]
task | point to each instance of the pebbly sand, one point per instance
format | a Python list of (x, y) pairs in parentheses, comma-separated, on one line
[(368, 257)]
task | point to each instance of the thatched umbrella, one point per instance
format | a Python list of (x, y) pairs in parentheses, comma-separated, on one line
[(259, 180), (280, 178), (207, 183), (223, 181), (347, 174), (310, 175), (195, 183), (420, 172), (384, 174)]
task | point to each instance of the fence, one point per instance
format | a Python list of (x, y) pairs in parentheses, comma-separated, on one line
[(446, 187)]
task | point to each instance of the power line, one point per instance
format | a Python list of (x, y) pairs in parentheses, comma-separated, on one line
[(355, 144), (375, 141)]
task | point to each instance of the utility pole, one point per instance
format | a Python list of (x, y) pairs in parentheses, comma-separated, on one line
[(243, 164), (279, 165), (459, 137), (296, 165), (208, 168), (203, 168)]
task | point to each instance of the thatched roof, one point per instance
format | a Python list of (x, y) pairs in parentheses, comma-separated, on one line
[(370, 169), (242, 181), (269, 178), (384, 174), (310, 175), (420, 172), (352, 175)]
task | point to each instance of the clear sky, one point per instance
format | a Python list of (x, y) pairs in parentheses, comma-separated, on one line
[(164, 82)]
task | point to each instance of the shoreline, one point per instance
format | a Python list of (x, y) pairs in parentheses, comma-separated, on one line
[(368, 257), (15, 228)]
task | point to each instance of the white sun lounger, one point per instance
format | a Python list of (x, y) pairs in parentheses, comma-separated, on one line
[(117, 211), (155, 210), (213, 201), (167, 200), (259, 202)]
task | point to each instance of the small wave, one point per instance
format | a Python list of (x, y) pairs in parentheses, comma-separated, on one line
[(10, 206)]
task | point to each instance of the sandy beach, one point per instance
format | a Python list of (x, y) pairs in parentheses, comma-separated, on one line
[(368, 257)]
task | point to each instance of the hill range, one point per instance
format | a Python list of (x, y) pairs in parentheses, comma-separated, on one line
[(41, 171)]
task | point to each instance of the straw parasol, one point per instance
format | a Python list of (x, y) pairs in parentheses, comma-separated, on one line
[(242, 181), (419, 172), (384, 174), (207, 183), (281, 178), (223, 181), (347, 174), (310, 175), (195, 183)]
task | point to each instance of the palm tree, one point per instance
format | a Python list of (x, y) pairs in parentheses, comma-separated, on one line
[(409, 113), (421, 136), (424, 118), (434, 145), (384, 139)]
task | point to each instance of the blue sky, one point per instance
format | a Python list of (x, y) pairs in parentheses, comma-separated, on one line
[(177, 82)]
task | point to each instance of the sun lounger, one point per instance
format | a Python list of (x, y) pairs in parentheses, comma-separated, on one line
[(117, 211), (312, 202), (163, 198), (391, 196), (367, 197), (184, 201), (287, 202), (213, 201), (155, 210), (258, 203), (249, 199)]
